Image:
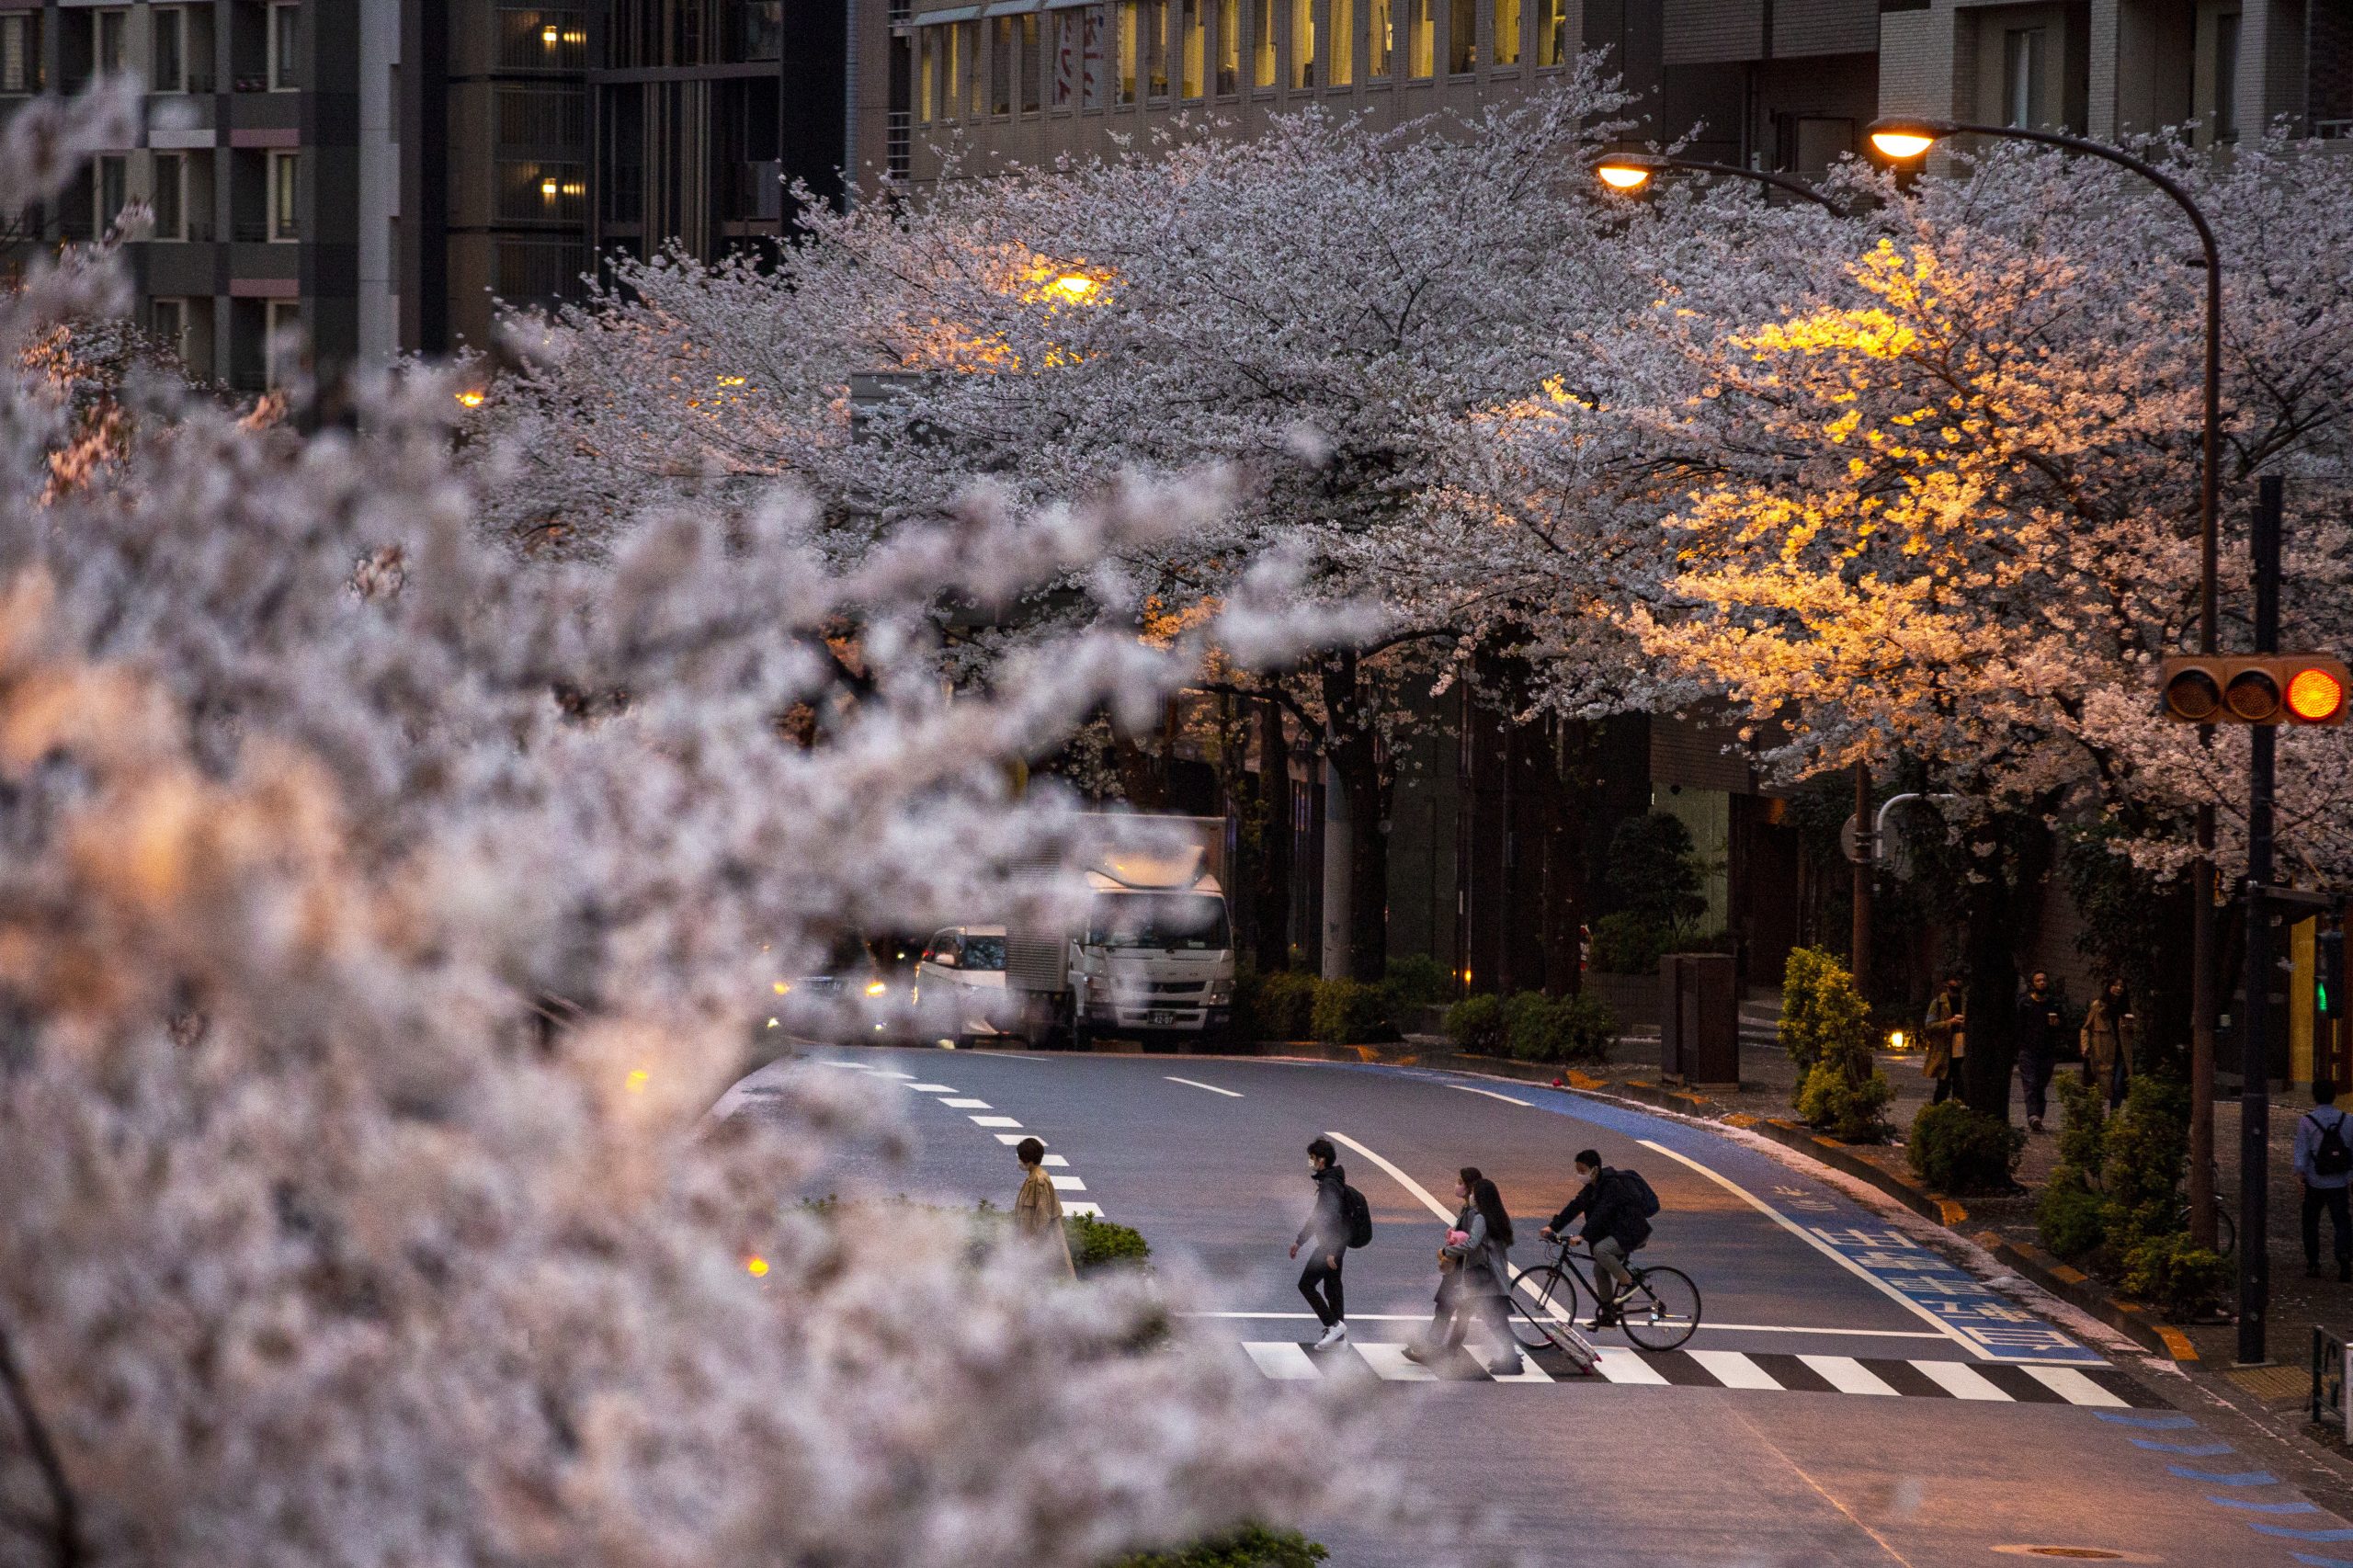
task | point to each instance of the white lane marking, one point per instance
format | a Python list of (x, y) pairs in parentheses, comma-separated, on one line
[(1733, 1370), (2074, 1387), (1493, 1096), (1055, 1162), (967, 1105), (995, 1121), (1012, 1138), (1408, 1183), (1961, 1382), (1818, 1244), (1620, 1365), (1282, 1361), (886, 1073), (1703, 1328), (931, 1088), (1530, 1372), (1093, 1209), (1067, 1183), (1848, 1375), (1212, 1089), (1389, 1362)]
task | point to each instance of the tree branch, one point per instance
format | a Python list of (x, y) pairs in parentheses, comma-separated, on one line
[(64, 1522)]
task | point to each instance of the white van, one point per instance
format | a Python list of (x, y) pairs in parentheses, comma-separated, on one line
[(960, 985)]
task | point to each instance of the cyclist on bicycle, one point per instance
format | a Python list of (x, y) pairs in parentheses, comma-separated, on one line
[(1614, 1227)]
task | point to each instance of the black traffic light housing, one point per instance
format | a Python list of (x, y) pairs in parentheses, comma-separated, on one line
[(2253, 688), (2329, 972)]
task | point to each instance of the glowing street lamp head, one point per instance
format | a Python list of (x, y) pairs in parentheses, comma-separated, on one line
[(1075, 286), (1622, 173), (1901, 140)]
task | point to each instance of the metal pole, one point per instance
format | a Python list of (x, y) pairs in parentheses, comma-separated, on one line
[(2255, 1034), (1860, 949)]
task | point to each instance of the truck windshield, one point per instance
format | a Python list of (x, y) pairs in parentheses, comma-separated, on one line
[(984, 952), (1172, 920)]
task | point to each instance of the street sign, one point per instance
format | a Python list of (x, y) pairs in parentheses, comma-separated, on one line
[(1850, 843)]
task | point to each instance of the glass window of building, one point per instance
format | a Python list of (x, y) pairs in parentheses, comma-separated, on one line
[(1228, 46), (1155, 47), (1262, 42), (1462, 37), (283, 21), (1031, 76), (1506, 25), (20, 52), (167, 53), (758, 31), (1000, 67), (113, 191), (110, 43), (1340, 49), (1551, 32), (1380, 38), (927, 61), (166, 199), (281, 337), (2022, 52), (1192, 47), (1302, 44), (951, 101), (167, 323), (1421, 39), (285, 197), (1130, 39), (2226, 76)]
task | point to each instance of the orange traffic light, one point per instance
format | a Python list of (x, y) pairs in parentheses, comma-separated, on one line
[(2263, 689)]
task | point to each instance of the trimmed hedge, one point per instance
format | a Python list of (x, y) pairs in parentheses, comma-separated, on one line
[(1096, 1244), (1347, 1011), (1252, 1547), (1532, 1027), (1476, 1024), (1956, 1150)]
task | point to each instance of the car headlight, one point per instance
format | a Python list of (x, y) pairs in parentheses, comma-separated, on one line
[(1220, 991), (876, 988)]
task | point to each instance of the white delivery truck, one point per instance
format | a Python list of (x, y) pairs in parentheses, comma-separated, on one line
[(1154, 958)]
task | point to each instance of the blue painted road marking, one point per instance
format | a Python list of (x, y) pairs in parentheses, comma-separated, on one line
[(2284, 1533), (2244, 1506), (2225, 1478), (2195, 1451), (2156, 1423), (2309, 1561)]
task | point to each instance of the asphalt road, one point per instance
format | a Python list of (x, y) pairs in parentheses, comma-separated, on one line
[(1831, 1412)]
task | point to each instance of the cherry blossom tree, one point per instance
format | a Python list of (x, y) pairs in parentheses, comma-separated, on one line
[(383, 911)]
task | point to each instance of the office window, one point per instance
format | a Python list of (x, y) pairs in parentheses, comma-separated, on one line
[(285, 196), (1228, 46), (1193, 47), (969, 102), (928, 61), (1462, 37), (952, 74), (1380, 38), (110, 43), (281, 337), (1507, 22), (20, 52), (283, 21), (1130, 39), (167, 324), (1302, 44), (1000, 67), (1155, 47), (1551, 32), (2226, 76), (169, 197), (168, 53), (1421, 39), (1262, 42), (1030, 76), (1340, 49), (755, 31), (530, 190), (112, 190), (2022, 49), (1069, 44), (533, 40)]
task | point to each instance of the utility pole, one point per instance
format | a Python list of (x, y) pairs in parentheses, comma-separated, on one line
[(2255, 1043), (1866, 855)]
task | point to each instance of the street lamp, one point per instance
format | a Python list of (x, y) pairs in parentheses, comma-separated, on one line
[(1631, 172), (1902, 139)]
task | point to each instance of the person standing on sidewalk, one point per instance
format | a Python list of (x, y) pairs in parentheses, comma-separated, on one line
[(2324, 1164), (2111, 1038), (2039, 1036), (1326, 1237), (1038, 1208), (1942, 1031)]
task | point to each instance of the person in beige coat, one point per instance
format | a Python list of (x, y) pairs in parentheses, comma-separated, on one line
[(1037, 1208), (1945, 1039), (2111, 1036)]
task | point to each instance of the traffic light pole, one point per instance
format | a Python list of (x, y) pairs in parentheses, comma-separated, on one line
[(2255, 1042), (1860, 943)]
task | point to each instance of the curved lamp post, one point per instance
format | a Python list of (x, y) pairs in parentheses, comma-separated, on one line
[(1902, 139), (1631, 172)]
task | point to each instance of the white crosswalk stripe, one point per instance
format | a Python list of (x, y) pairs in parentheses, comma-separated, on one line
[(2074, 1387), (1961, 1382), (1283, 1361), (1620, 1365), (1848, 1375), (1733, 1370), (1389, 1360)]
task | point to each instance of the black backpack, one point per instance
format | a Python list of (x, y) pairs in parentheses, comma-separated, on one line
[(1639, 1191), (2335, 1156), (1358, 1214)]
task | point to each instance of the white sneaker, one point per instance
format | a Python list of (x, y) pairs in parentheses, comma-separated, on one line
[(1332, 1335)]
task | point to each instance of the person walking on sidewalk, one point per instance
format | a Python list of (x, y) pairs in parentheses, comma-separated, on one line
[(1614, 1226), (2038, 1036), (2324, 1164), (1943, 1032), (1038, 1208), (1326, 1237), (1474, 1273), (2111, 1038)]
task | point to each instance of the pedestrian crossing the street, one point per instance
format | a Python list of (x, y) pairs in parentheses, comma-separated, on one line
[(1989, 1382)]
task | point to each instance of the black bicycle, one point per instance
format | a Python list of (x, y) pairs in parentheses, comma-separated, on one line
[(1659, 1313)]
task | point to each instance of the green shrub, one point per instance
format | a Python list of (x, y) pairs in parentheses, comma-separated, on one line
[(2071, 1218), (1823, 1016), (1279, 1005), (1348, 1011), (1849, 1111), (1098, 1244), (1252, 1547), (1628, 943), (1476, 1024), (1655, 871), (1538, 1028), (2083, 1137), (2183, 1278), (1418, 980), (1956, 1150)]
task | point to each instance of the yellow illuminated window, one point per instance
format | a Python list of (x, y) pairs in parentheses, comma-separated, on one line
[(1302, 44), (1127, 37), (1462, 37), (1228, 46), (1262, 44), (1551, 32), (1193, 43), (951, 101), (1155, 47), (1421, 40), (1341, 49), (1507, 32), (924, 78)]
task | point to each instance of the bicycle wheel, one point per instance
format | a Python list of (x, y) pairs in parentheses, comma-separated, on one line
[(1541, 1296), (1662, 1310), (2226, 1231)]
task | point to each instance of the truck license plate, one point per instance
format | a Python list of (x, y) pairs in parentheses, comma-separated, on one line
[(1163, 1019)]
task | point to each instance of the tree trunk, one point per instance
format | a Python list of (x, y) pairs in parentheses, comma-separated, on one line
[(1274, 809), (1996, 908), (1354, 755)]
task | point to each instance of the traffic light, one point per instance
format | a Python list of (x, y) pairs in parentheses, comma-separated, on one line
[(2253, 688), (2328, 973)]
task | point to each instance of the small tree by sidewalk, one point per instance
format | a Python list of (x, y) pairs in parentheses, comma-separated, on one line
[(2114, 1200), (1826, 1026)]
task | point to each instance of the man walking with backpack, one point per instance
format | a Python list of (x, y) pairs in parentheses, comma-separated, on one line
[(2324, 1164), (1340, 1220), (1617, 1206)]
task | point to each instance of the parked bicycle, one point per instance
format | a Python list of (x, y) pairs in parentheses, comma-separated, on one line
[(1659, 1313)]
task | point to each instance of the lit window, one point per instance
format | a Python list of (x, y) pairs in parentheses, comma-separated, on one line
[(285, 196), (1506, 20), (1262, 44), (1380, 38), (1302, 44), (1551, 32), (1228, 46), (284, 21), (20, 52), (1341, 51), (930, 53), (1155, 47), (1421, 40), (1128, 41), (1193, 47), (1462, 37)]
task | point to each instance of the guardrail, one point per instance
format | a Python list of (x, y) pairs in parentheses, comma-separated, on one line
[(2327, 1403)]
